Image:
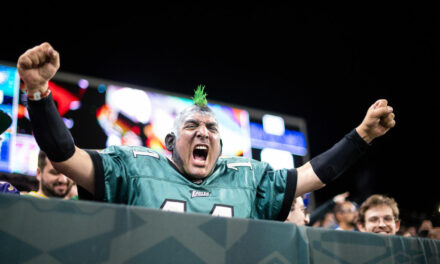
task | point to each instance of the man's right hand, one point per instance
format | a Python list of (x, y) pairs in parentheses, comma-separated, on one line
[(37, 66)]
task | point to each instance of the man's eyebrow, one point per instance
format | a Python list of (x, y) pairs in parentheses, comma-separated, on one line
[(191, 121), (198, 122)]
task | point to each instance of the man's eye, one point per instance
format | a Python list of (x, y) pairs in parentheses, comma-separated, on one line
[(388, 219), (374, 219)]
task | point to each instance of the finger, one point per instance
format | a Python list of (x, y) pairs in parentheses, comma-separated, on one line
[(388, 121), (380, 103), (24, 62), (54, 57), (388, 118), (382, 111), (389, 124)]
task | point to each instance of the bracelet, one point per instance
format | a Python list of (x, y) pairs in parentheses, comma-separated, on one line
[(38, 96)]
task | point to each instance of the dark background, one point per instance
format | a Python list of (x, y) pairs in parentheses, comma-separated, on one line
[(326, 65)]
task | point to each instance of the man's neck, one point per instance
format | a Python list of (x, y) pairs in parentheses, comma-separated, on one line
[(346, 226)]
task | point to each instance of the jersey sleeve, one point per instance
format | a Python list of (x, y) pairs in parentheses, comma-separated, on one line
[(111, 179), (275, 193)]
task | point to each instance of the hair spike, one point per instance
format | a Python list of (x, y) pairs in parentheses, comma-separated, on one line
[(200, 96)]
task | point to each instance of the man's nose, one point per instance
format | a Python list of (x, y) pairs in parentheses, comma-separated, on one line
[(202, 131), (307, 219), (382, 222), (62, 179)]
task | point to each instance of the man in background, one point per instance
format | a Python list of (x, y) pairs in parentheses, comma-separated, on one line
[(379, 214), (51, 182), (298, 212), (345, 214)]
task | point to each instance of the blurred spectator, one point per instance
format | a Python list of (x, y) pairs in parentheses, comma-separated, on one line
[(434, 233), (320, 212), (73, 193), (6, 187), (51, 182), (379, 214), (298, 213), (345, 214), (424, 228)]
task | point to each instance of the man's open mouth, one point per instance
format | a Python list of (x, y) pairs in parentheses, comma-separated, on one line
[(200, 152)]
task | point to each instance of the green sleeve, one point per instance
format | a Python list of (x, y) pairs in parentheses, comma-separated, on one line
[(275, 193), (115, 161)]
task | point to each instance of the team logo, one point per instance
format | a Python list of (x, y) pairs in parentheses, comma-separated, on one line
[(199, 194)]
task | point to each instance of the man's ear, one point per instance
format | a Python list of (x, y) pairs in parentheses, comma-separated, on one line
[(221, 146), (397, 225), (170, 141), (38, 174)]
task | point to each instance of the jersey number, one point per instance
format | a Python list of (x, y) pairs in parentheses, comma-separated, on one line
[(180, 206)]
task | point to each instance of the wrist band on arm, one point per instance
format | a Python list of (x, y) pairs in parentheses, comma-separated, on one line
[(38, 95), (50, 132), (332, 163)]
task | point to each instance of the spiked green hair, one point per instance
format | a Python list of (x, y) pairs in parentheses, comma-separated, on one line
[(200, 96), (200, 105)]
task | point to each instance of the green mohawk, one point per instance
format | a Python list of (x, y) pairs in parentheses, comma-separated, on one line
[(200, 96)]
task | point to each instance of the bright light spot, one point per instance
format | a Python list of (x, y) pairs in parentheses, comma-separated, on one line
[(83, 84), (75, 105), (101, 88), (68, 122), (1, 96), (133, 103), (3, 77), (273, 125), (278, 159)]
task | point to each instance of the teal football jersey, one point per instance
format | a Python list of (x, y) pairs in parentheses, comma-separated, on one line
[(238, 186)]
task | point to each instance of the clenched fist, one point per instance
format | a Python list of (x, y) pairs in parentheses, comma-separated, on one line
[(378, 120), (37, 66)]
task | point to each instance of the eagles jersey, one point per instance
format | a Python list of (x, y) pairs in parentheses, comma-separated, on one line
[(237, 187)]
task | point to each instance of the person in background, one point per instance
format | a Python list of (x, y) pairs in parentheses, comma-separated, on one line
[(320, 212), (434, 233), (73, 193), (298, 213), (345, 214), (52, 183), (379, 214), (424, 228), (6, 187)]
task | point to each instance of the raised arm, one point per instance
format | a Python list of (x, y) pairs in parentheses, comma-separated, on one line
[(329, 165), (36, 67)]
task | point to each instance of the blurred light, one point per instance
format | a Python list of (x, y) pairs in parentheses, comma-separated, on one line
[(3, 77), (75, 105), (292, 141), (134, 103), (83, 83), (278, 159), (1, 96), (101, 88), (68, 122), (273, 125)]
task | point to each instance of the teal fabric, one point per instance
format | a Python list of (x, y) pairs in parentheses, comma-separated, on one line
[(240, 187), (36, 230)]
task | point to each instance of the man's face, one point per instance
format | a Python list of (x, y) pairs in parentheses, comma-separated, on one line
[(53, 183), (380, 219), (298, 214), (347, 214), (197, 145)]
